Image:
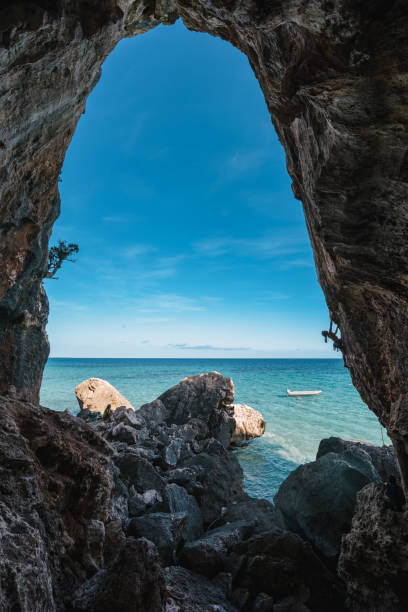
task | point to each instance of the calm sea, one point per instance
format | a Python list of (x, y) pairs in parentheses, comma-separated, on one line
[(294, 426)]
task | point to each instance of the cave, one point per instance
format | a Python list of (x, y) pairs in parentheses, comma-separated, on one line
[(334, 77)]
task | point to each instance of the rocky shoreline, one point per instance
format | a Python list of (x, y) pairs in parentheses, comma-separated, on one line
[(145, 510)]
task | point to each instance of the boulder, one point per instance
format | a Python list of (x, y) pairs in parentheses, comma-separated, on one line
[(180, 501), (198, 397), (317, 499), (96, 395), (282, 565), (133, 583), (190, 592), (249, 423), (139, 472), (374, 555), (161, 528), (207, 554)]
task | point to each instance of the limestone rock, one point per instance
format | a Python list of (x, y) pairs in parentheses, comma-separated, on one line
[(96, 395), (317, 499), (249, 423), (374, 555)]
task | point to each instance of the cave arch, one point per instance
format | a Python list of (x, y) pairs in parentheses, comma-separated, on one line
[(334, 78)]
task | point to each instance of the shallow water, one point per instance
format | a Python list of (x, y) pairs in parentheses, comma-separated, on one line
[(294, 428)]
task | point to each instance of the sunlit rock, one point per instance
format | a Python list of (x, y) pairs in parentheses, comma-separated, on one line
[(249, 423), (97, 395)]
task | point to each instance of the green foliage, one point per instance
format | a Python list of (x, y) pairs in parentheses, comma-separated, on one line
[(63, 251)]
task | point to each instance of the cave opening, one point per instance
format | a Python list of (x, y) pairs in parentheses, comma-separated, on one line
[(176, 190)]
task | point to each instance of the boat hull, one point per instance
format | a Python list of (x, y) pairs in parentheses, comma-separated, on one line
[(302, 393)]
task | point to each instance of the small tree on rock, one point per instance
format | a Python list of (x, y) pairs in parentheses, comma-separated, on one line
[(63, 251)]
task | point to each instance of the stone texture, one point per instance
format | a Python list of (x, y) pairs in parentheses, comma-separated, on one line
[(55, 486), (317, 499), (249, 423), (334, 78), (374, 555), (96, 394)]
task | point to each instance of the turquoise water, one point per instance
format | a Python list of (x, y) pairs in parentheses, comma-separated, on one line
[(294, 426)]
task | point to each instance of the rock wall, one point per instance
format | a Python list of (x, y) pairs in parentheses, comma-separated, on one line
[(334, 76), (78, 501)]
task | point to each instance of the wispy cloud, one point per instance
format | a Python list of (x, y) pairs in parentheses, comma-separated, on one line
[(266, 246), (138, 249), (208, 347), (301, 262), (165, 301)]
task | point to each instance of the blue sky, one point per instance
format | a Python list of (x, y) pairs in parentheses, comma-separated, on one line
[(175, 188)]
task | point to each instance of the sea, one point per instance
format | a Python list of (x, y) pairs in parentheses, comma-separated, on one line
[(294, 427)]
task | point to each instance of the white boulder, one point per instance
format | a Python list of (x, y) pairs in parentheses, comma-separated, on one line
[(96, 394), (249, 423)]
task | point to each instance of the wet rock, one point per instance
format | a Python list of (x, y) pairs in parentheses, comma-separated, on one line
[(207, 555), (249, 423), (96, 395), (163, 529), (374, 555), (190, 592), (317, 499), (133, 583), (180, 501)]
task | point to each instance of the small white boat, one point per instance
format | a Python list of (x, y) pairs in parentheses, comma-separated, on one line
[(302, 393)]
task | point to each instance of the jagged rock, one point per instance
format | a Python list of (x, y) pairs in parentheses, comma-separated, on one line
[(207, 555), (134, 582), (259, 512), (382, 457), (374, 555), (96, 395), (163, 529), (180, 501), (219, 475), (153, 413), (55, 486), (198, 397), (283, 565), (249, 423), (138, 471), (190, 592), (317, 499)]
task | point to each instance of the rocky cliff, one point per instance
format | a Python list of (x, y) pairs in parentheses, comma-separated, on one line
[(334, 76), (136, 513)]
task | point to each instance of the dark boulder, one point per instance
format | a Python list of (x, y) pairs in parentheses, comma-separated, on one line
[(161, 528), (133, 583), (317, 499), (374, 554), (189, 592), (180, 501), (207, 555)]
